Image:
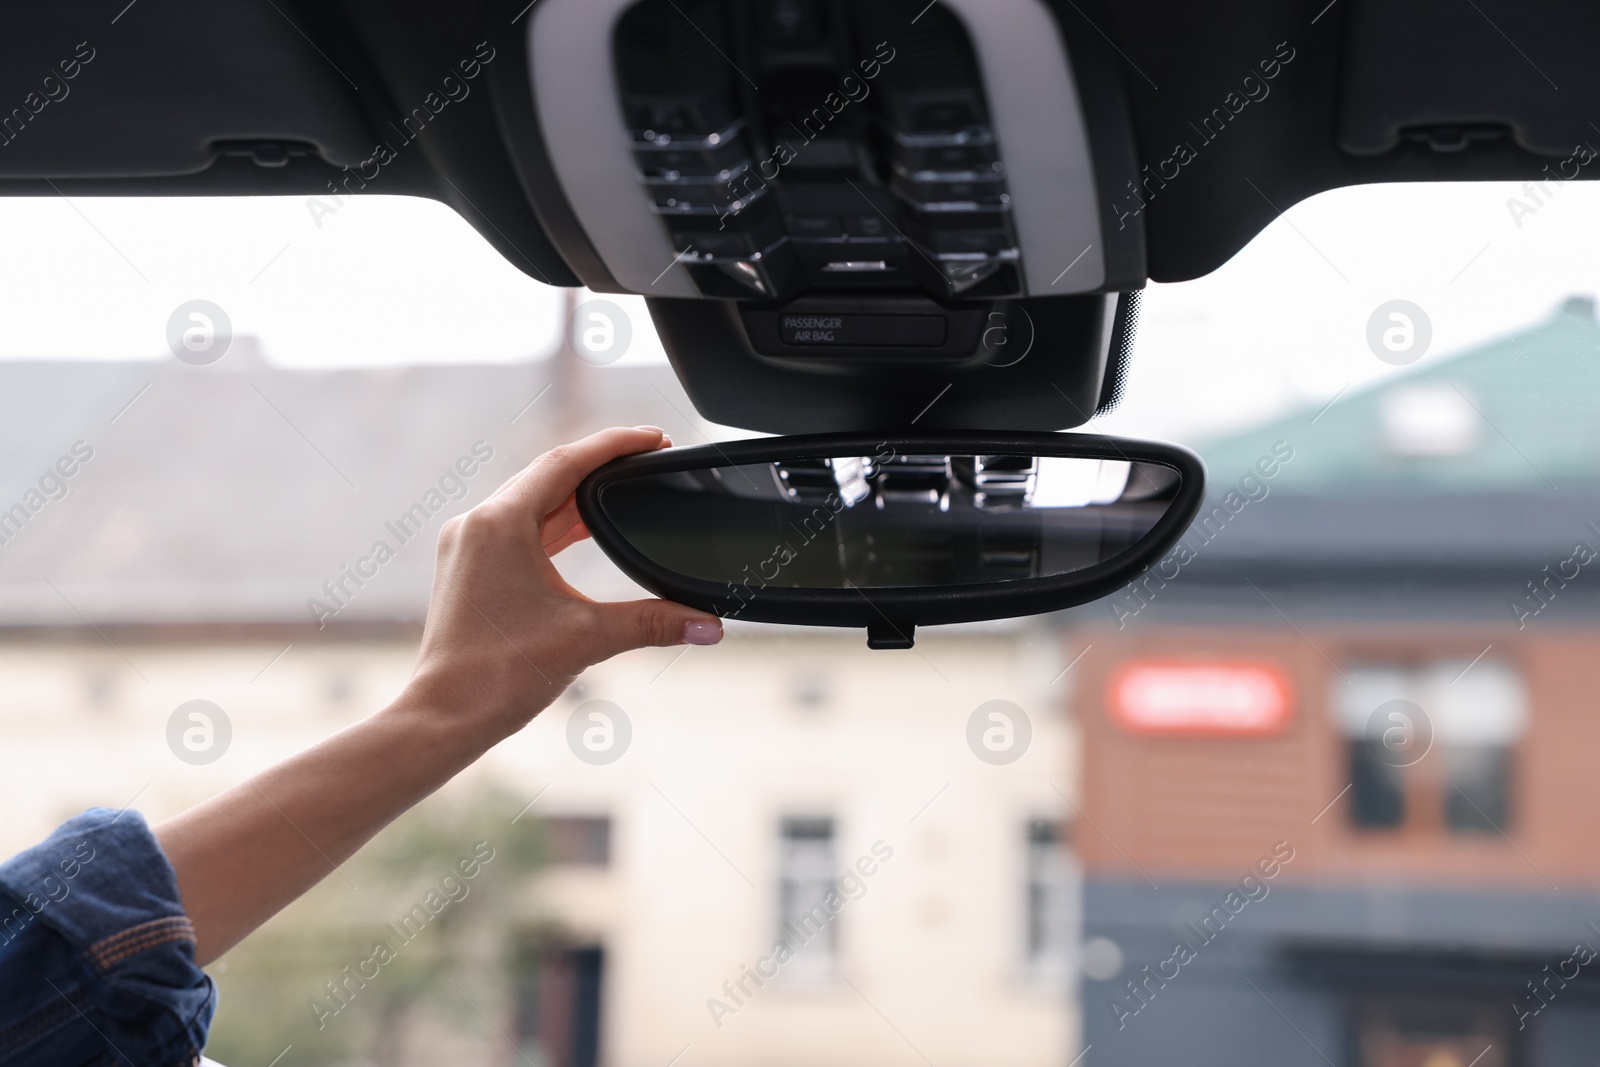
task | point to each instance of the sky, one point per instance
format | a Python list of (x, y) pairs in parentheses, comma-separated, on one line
[(387, 280), (1283, 325)]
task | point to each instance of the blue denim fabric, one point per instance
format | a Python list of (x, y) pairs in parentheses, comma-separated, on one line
[(96, 955)]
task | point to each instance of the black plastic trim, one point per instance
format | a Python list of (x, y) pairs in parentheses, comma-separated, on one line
[(1113, 152), (511, 88), (1049, 378), (891, 614)]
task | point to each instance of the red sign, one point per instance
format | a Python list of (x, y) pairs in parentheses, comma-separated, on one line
[(1218, 699)]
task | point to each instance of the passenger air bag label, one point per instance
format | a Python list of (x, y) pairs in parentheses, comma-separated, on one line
[(863, 331)]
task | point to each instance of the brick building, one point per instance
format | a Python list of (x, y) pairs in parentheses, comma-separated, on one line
[(1338, 751)]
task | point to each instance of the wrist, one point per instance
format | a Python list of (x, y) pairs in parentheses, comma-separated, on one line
[(431, 723)]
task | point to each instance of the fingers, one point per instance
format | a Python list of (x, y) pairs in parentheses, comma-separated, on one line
[(571, 536), (558, 524), (548, 481), (653, 623)]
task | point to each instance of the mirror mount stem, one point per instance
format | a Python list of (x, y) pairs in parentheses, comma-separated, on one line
[(889, 635)]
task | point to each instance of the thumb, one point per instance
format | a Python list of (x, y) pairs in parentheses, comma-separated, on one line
[(654, 623)]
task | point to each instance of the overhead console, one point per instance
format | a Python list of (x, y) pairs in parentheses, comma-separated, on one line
[(887, 191), (870, 174)]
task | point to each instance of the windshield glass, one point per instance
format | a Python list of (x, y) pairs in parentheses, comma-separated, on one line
[(1310, 789)]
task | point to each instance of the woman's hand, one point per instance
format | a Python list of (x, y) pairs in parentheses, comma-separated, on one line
[(505, 632), (505, 635)]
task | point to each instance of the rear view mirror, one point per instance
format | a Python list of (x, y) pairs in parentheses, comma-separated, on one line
[(892, 532)]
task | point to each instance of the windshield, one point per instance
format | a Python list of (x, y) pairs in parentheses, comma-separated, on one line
[(1311, 789)]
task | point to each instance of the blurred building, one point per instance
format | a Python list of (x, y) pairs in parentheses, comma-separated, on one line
[(209, 511), (1338, 747)]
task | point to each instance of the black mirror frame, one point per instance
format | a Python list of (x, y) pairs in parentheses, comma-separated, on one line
[(891, 615)]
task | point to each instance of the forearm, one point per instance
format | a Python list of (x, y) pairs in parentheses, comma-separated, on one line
[(505, 635), (243, 855)]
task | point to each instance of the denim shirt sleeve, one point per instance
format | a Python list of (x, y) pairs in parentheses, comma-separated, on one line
[(96, 955)]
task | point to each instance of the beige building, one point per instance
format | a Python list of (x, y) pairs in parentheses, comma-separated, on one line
[(754, 778)]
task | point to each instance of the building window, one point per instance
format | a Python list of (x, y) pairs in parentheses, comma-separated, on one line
[(1051, 900), (558, 992), (579, 840), (1480, 778), (1431, 746), (1377, 800), (806, 873), (1407, 1032)]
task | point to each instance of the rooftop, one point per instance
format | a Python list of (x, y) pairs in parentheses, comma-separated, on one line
[(1438, 493), (1521, 414), (229, 494)]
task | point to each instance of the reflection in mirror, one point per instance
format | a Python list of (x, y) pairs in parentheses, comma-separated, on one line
[(890, 520)]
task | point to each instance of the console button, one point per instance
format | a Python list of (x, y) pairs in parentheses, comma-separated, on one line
[(791, 22), (816, 227), (943, 241), (869, 226), (698, 196), (921, 224), (969, 158), (942, 194), (718, 244), (962, 272), (661, 121), (727, 236), (946, 115), (774, 272), (724, 161)]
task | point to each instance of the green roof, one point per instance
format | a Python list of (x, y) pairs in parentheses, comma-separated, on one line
[(1518, 414)]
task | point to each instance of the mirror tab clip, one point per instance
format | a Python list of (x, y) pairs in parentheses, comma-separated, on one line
[(891, 635)]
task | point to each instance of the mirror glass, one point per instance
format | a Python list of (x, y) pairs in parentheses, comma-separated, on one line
[(890, 520)]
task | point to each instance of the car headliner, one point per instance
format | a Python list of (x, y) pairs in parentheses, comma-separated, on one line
[(257, 96)]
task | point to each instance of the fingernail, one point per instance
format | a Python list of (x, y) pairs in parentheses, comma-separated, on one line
[(652, 429), (701, 632)]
